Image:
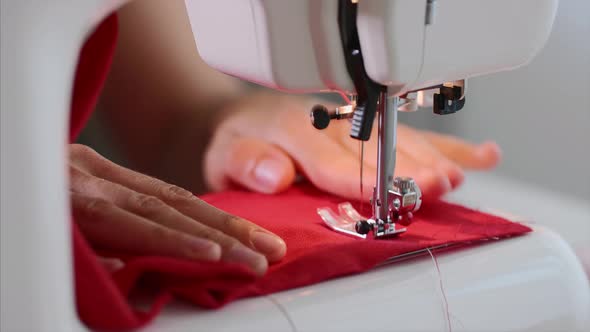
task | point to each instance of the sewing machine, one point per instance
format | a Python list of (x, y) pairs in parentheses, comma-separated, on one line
[(383, 57)]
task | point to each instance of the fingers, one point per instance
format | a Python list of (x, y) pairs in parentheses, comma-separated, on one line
[(329, 165), (155, 210), (416, 146), (249, 234), (322, 159), (114, 228), (257, 165), (331, 160), (467, 155), (433, 183)]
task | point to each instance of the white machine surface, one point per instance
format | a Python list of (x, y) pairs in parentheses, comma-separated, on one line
[(530, 283)]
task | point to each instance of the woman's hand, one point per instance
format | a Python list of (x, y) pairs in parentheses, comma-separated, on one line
[(119, 209), (266, 139)]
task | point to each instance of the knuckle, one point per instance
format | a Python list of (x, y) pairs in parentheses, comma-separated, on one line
[(99, 182), (176, 193), (80, 150), (230, 243), (217, 236), (229, 221), (101, 166), (86, 183), (96, 207), (147, 202)]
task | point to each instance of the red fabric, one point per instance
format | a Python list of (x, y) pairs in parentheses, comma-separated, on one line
[(315, 253), (93, 66)]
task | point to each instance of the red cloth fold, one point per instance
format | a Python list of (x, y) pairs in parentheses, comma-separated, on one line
[(315, 253)]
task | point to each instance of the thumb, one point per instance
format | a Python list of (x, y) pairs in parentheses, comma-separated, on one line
[(258, 166)]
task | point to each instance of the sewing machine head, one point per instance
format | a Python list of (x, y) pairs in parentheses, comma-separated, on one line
[(381, 56), (299, 46)]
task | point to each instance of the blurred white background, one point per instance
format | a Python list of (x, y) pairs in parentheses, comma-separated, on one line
[(539, 114)]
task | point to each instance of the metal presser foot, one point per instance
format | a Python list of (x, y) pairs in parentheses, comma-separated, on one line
[(402, 201), (394, 200)]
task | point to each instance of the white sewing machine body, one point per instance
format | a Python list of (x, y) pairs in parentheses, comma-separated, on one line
[(529, 283), (296, 45)]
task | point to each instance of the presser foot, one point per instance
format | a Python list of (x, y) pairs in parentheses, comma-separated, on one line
[(380, 228), (350, 222), (403, 200)]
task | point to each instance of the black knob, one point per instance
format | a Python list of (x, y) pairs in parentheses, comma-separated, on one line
[(320, 117), (362, 227)]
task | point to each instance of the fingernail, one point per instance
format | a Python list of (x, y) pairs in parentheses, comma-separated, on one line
[(487, 148), (272, 246), (242, 254), (267, 173), (455, 175), (203, 249), (489, 154), (482, 152), (446, 183)]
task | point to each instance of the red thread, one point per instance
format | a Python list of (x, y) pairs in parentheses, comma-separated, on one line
[(344, 96)]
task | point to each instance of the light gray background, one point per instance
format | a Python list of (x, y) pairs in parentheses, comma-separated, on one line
[(539, 114)]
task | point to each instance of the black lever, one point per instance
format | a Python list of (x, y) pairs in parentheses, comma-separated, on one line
[(448, 101), (367, 90)]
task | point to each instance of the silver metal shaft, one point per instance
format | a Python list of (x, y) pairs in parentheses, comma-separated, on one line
[(387, 127)]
